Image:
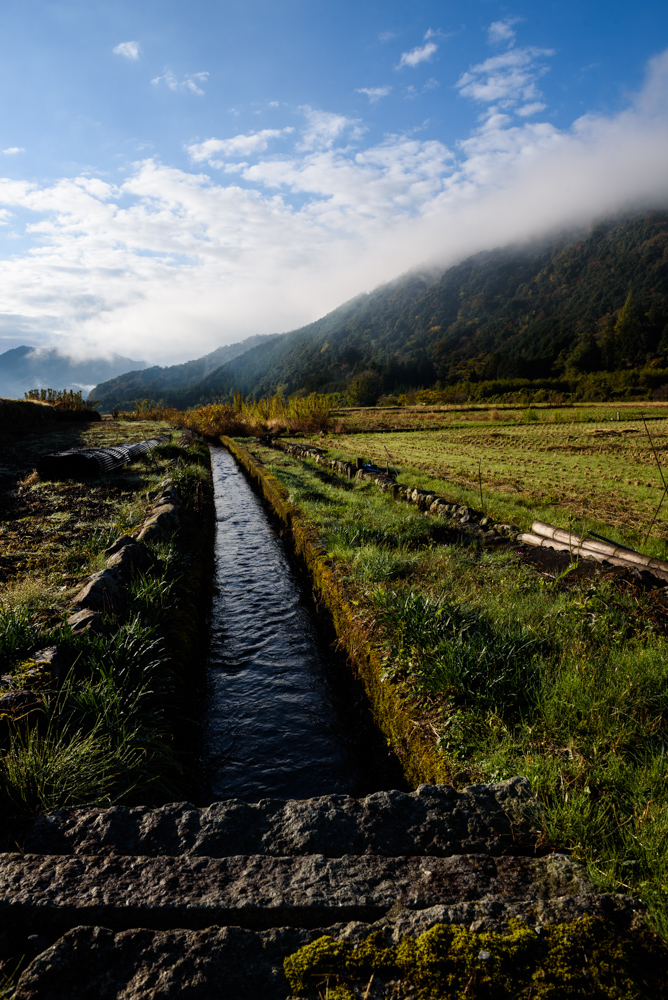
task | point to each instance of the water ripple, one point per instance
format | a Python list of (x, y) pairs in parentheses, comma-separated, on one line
[(272, 725)]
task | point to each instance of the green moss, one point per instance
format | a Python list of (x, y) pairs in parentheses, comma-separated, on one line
[(321, 957), (584, 958)]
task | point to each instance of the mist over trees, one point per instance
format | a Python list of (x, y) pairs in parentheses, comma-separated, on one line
[(554, 312)]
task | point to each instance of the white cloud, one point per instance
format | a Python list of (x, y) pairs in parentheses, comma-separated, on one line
[(325, 127), (387, 36), (130, 50), (507, 78), (500, 32), (530, 109), (13, 151), (190, 82), (239, 145), (422, 53), (169, 264), (374, 93)]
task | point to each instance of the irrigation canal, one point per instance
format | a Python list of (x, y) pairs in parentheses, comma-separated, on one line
[(276, 720)]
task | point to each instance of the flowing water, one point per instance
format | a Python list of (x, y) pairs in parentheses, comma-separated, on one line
[(273, 725)]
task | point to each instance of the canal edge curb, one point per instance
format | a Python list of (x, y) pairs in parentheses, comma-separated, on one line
[(420, 760)]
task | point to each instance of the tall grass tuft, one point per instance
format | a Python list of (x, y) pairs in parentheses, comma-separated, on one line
[(449, 646), (19, 634), (43, 771), (243, 418)]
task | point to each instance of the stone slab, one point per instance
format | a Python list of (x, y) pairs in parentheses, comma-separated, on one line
[(215, 963), (435, 820), (235, 962), (54, 892)]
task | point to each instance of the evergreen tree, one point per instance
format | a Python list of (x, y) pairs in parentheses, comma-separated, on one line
[(629, 333)]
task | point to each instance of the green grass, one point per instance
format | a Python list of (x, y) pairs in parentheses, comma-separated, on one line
[(563, 466), (107, 731), (516, 673)]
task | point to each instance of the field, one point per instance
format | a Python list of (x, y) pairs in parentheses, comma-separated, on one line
[(562, 677), (579, 466)]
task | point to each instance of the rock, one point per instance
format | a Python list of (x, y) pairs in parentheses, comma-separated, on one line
[(170, 964), (435, 820), (42, 894), (85, 619), (169, 496), (101, 593), (166, 511), (128, 560), (163, 520), (154, 532), (53, 658), (211, 964), (119, 544), (17, 705)]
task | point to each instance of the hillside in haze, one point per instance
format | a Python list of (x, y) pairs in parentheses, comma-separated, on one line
[(24, 368), (592, 301), (157, 383)]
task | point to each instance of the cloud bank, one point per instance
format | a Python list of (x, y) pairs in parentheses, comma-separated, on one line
[(272, 229)]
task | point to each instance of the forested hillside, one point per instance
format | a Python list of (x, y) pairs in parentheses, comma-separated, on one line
[(588, 302), (123, 390)]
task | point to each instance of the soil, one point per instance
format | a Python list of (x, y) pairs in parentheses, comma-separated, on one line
[(35, 516)]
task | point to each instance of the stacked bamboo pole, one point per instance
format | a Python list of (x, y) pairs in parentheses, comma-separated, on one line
[(547, 536)]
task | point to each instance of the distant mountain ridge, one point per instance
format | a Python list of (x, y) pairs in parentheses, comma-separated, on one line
[(124, 390), (24, 368), (587, 301)]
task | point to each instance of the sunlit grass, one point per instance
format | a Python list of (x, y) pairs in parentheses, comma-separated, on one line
[(107, 730), (594, 475), (517, 674)]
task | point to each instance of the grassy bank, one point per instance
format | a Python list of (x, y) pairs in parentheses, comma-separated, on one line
[(506, 671), (110, 718)]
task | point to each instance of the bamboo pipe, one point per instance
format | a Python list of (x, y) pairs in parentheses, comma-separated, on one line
[(541, 541), (606, 549)]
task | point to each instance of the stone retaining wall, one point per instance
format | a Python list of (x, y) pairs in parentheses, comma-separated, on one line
[(464, 518)]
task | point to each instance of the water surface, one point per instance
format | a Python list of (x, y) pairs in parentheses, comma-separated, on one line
[(273, 725)]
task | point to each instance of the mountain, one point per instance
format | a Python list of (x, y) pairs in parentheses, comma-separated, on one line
[(25, 368), (157, 383), (595, 300)]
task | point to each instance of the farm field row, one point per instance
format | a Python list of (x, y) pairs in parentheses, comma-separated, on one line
[(591, 473), (356, 419)]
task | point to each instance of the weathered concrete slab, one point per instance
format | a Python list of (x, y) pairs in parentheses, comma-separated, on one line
[(55, 892), (435, 820)]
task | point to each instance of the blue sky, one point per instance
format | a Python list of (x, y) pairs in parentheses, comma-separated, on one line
[(175, 176)]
